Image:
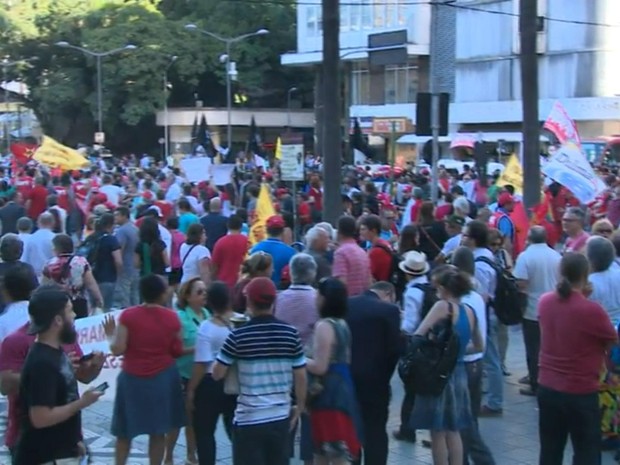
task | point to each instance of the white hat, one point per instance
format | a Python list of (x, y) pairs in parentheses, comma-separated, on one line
[(414, 263), (155, 209)]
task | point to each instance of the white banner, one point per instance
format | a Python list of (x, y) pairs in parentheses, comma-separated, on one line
[(222, 174), (196, 169), (292, 162), (91, 337), (569, 167)]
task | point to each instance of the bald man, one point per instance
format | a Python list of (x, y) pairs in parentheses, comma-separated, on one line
[(40, 249), (214, 222)]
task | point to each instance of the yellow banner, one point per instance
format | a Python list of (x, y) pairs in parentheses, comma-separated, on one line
[(264, 210), (512, 175), (56, 155), (278, 149)]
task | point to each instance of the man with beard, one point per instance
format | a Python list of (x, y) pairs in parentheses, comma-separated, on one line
[(50, 404)]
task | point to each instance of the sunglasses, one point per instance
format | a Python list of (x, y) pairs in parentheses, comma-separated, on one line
[(603, 231)]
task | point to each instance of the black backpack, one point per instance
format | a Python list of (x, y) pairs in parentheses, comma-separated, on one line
[(509, 302), (429, 360), (430, 298), (397, 277), (89, 249)]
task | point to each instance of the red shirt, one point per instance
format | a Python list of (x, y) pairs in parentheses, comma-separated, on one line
[(38, 201), (303, 210), (153, 339), (13, 353), (442, 211), (23, 184), (318, 198), (380, 261), (575, 334), (228, 255), (63, 197), (415, 211)]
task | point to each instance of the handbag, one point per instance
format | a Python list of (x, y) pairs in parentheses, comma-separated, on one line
[(80, 304)]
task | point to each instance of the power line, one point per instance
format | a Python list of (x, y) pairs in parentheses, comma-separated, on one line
[(415, 2)]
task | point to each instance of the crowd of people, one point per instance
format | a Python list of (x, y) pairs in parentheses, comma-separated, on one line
[(300, 334)]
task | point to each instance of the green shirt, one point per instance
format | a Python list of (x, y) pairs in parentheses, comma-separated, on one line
[(190, 322)]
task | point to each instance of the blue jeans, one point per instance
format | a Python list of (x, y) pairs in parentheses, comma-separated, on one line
[(493, 367), (262, 444), (107, 293), (127, 290)]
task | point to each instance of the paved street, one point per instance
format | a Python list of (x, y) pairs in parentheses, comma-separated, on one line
[(513, 438)]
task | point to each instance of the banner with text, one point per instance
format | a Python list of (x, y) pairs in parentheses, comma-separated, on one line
[(292, 158)]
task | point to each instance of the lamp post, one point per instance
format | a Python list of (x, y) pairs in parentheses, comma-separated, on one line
[(173, 58), (98, 56), (230, 66), (288, 106), (6, 64)]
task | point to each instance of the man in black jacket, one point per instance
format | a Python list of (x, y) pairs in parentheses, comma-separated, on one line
[(376, 345)]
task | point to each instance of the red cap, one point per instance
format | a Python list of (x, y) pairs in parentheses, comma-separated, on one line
[(504, 198), (282, 191), (261, 291), (275, 221), (147, 195)]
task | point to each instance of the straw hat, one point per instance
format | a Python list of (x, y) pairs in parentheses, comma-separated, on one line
[(414, 264)]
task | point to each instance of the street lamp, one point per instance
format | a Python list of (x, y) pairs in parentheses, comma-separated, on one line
[(288, 106), (6, 64), (230, 66), (173, 58), (98, 56)]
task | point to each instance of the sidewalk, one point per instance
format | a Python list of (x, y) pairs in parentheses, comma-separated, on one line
[(513, 438)]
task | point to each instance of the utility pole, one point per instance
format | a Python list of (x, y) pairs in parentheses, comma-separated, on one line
[(332, 131), (528, 12), (434, 103)]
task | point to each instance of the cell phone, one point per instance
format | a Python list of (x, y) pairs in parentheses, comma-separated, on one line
[(102, 387), (87, 357)]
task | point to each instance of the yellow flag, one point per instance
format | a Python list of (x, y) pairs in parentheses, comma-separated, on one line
[(56, 155), (264, 210), (278, 149), (512, 175)]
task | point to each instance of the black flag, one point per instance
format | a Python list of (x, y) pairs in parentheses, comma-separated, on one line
[(204, 137), (195, 131), (255, 145)]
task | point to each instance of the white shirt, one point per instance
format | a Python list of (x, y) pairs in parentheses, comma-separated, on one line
[(539, 265), (173, 193), (209, 340), (113, 193), (25, 238), (14, 317), (39, 250), (476, 302), (195, 204), (191, 265), (62, 214), (606, 291), (413, 299), (451, 245), (485, 274)]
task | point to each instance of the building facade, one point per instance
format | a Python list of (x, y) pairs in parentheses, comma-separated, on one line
[(478, 62)]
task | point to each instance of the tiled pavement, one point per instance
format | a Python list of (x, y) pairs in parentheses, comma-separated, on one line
[(513, 438)]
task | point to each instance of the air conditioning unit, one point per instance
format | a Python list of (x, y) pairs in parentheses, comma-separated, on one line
[(541, 36)]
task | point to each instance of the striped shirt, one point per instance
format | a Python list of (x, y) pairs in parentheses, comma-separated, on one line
[(351, 263), (265, 352)]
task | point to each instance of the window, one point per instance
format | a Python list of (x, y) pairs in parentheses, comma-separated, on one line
[(401, 12), (379, 15), (360, 84), (401, 83), (390, 13), (312, 20), (345, 18), (366, 15), (356, 12)]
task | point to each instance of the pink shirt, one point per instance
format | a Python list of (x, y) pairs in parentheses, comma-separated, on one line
[(13, 353), (576, 244), (178, 238), (351, 263)]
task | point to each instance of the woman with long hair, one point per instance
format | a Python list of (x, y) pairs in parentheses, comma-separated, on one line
[(259, 264), (150, 253), (575, 336), (195, 256), (446, 415), (205, 396), (409, 239), (191, 301), (148, 390), (334, 416), (433, 233)]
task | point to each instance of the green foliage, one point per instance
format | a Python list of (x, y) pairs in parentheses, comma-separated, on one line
[(63, 81)]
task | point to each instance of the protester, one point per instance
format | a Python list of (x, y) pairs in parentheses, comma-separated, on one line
[(73, 273), (229, 253), (433, 234), (264, 413), (575, 336), (318, 241), (151, 256), (604, 276), (195, 256), (148, 389), (449, 413), (108, 265), (39, 250), (214, 223), (280, 252), (186, 216), (48, 393), (128, 237), (351, 263), (573, 222), (537, 271), (17, 285), (376, 345), (334, 415), (11, 248), (257, 265), (192, 312), (205, 396)]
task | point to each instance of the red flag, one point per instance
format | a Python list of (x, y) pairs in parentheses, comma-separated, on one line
[(521, 223), (23, 152)]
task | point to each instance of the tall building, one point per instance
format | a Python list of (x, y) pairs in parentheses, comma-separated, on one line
[(478, 62)]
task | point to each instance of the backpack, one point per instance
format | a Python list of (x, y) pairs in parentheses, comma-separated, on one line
[(430, 298), (89, 249), (396, 277), (509, 302), (429, 360)]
